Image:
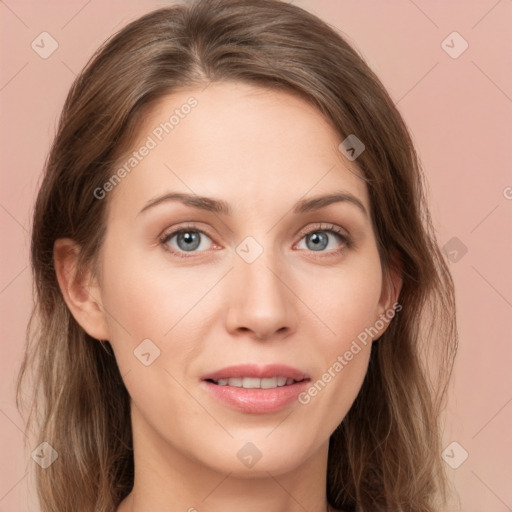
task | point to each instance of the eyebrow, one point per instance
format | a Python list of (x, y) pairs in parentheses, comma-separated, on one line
[(219, 206)]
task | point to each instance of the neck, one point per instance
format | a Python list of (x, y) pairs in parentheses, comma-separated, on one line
[(168, 481)]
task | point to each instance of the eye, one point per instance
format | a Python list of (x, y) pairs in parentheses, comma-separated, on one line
[(329, 237), (189, 239), (186, 239)]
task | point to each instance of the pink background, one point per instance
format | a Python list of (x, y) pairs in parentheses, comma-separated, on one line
[(459, 111)]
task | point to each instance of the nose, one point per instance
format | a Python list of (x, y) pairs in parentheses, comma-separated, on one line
[(261, 302)]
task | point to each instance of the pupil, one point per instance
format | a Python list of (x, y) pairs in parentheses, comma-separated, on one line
[(319, 240), (191, 239)]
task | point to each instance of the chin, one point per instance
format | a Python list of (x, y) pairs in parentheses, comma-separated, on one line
[(244, 458)]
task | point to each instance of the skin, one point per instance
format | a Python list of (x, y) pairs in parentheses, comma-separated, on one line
[(260, 151)]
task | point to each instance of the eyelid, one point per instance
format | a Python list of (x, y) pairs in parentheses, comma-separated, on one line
[(322, 226), (172, 232), (343, 234), (183, 227), (326, 227)]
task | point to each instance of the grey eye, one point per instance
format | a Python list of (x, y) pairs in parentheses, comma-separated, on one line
[(319, 241), (188, 240)]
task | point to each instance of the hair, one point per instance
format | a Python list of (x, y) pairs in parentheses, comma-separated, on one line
[(385, 454)]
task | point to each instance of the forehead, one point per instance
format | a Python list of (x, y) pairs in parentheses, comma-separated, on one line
[(243, 143)]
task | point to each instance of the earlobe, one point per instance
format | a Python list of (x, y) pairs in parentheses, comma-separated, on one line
[(394, 286), (391, 287), (80, 291), (392, 282)]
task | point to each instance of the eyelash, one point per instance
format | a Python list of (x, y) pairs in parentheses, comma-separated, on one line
[(329, 228)]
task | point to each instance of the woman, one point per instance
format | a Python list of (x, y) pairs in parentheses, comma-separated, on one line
[(239, 291)]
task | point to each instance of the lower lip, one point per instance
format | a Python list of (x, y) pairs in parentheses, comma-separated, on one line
[(257, 401)]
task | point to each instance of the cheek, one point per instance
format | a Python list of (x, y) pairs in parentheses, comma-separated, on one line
[(347, 304), (146, 316), (345, 300), (146, 300), (143, 298)]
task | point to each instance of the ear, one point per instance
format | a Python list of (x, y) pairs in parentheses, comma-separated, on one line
[(81, 292), (391, 287)]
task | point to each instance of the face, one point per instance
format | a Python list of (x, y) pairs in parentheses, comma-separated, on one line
[(240, 318)]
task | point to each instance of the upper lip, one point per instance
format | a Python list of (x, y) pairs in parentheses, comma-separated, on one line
[(257, 371)]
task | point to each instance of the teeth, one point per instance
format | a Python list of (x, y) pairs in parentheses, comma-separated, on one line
[(269, 383), (255, 383), (251, 383), (235, 381)]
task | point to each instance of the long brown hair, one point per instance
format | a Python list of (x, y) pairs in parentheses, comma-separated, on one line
[(385, 455)]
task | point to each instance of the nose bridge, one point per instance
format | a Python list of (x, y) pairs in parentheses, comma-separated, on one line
[(257, 266), (261, 301)]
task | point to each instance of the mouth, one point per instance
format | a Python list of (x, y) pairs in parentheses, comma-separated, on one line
[(256, 389), (255, 382)]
